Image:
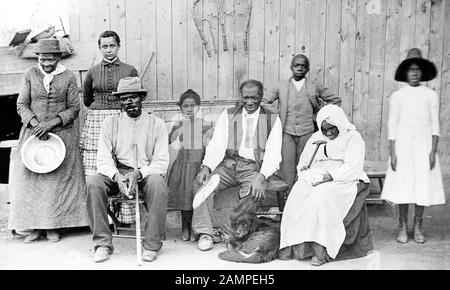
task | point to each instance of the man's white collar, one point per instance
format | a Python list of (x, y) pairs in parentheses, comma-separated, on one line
[(255, 113)]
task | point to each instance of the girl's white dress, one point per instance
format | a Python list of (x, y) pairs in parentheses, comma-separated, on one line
[(413, 119)]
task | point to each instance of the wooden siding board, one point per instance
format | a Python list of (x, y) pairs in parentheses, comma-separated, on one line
[(445, 91), (392, 57), (240, 54), (148, 47), (318, 40), (376, 84), (362, 67), (118, 16), (347, 56), (256, 42), (164, 49), (180, 49), (303, 27), (133, 34), (333, 44), (194, 55), (287, 37), (272, 44), (225, 74), (210, 63)]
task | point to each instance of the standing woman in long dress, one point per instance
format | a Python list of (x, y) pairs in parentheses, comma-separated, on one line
[(48, 102), (414, 174), (100, 81)]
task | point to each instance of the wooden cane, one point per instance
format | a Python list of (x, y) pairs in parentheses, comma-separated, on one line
[(317, 143), (138, 213)]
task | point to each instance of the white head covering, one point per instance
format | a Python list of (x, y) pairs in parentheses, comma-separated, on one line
[(335, 116), (49, 77)]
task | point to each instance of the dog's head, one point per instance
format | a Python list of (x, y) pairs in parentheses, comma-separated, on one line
[(242, 225)]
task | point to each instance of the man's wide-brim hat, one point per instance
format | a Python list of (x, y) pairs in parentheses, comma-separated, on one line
[(428, 68), (48, 45), (130, 85)]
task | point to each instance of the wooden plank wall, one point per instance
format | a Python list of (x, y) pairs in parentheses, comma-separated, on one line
[(354, 47)]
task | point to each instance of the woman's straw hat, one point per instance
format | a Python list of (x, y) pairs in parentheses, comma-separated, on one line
[(48, 45)]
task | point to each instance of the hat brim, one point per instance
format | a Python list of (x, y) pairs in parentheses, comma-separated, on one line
[(429, 70), (141, 92), (38, 51)]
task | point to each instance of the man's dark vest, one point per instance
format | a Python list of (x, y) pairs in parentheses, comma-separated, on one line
[(266, 121)]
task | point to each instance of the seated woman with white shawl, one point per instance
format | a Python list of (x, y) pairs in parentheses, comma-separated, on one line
[(324, 194)]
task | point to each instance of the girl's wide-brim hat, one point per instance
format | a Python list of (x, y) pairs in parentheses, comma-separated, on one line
[(43, 156), (130, 85), (48, 45), (429, 70)]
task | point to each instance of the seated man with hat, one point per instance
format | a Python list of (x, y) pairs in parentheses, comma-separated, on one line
[(115, 173), (245, 150)]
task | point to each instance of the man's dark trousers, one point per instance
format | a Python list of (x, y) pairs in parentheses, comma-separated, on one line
[(152, 188)]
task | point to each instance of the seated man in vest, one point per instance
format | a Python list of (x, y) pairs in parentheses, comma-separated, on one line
[(299, 100), (245, 150), (116, 173)]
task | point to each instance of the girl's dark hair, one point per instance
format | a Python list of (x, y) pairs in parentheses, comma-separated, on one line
[(109, 33), (189, 94)]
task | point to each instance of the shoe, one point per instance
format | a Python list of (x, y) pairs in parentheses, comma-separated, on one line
[(149, 256), (101, 254), (53, 236), (19, 235), (35, 236), (418, 232), (316, 261), (205, 243), (402, 236)]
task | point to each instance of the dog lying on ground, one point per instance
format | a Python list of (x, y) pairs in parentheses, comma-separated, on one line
[(248, 239)]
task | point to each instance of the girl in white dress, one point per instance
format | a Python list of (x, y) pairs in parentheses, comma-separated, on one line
[(414, 175)]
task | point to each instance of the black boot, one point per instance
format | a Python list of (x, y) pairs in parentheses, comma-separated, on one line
[(186, 223), (402, 235), (419, 236)]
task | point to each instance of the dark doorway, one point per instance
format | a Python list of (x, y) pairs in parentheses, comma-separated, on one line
[(10, 125)]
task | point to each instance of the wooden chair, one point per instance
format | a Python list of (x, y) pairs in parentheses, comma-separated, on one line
[(113, 209)]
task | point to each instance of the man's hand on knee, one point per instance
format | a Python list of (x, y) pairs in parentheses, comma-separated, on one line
[(258, 187)]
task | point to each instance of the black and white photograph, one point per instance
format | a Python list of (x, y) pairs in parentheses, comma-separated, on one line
[(224, 135)]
